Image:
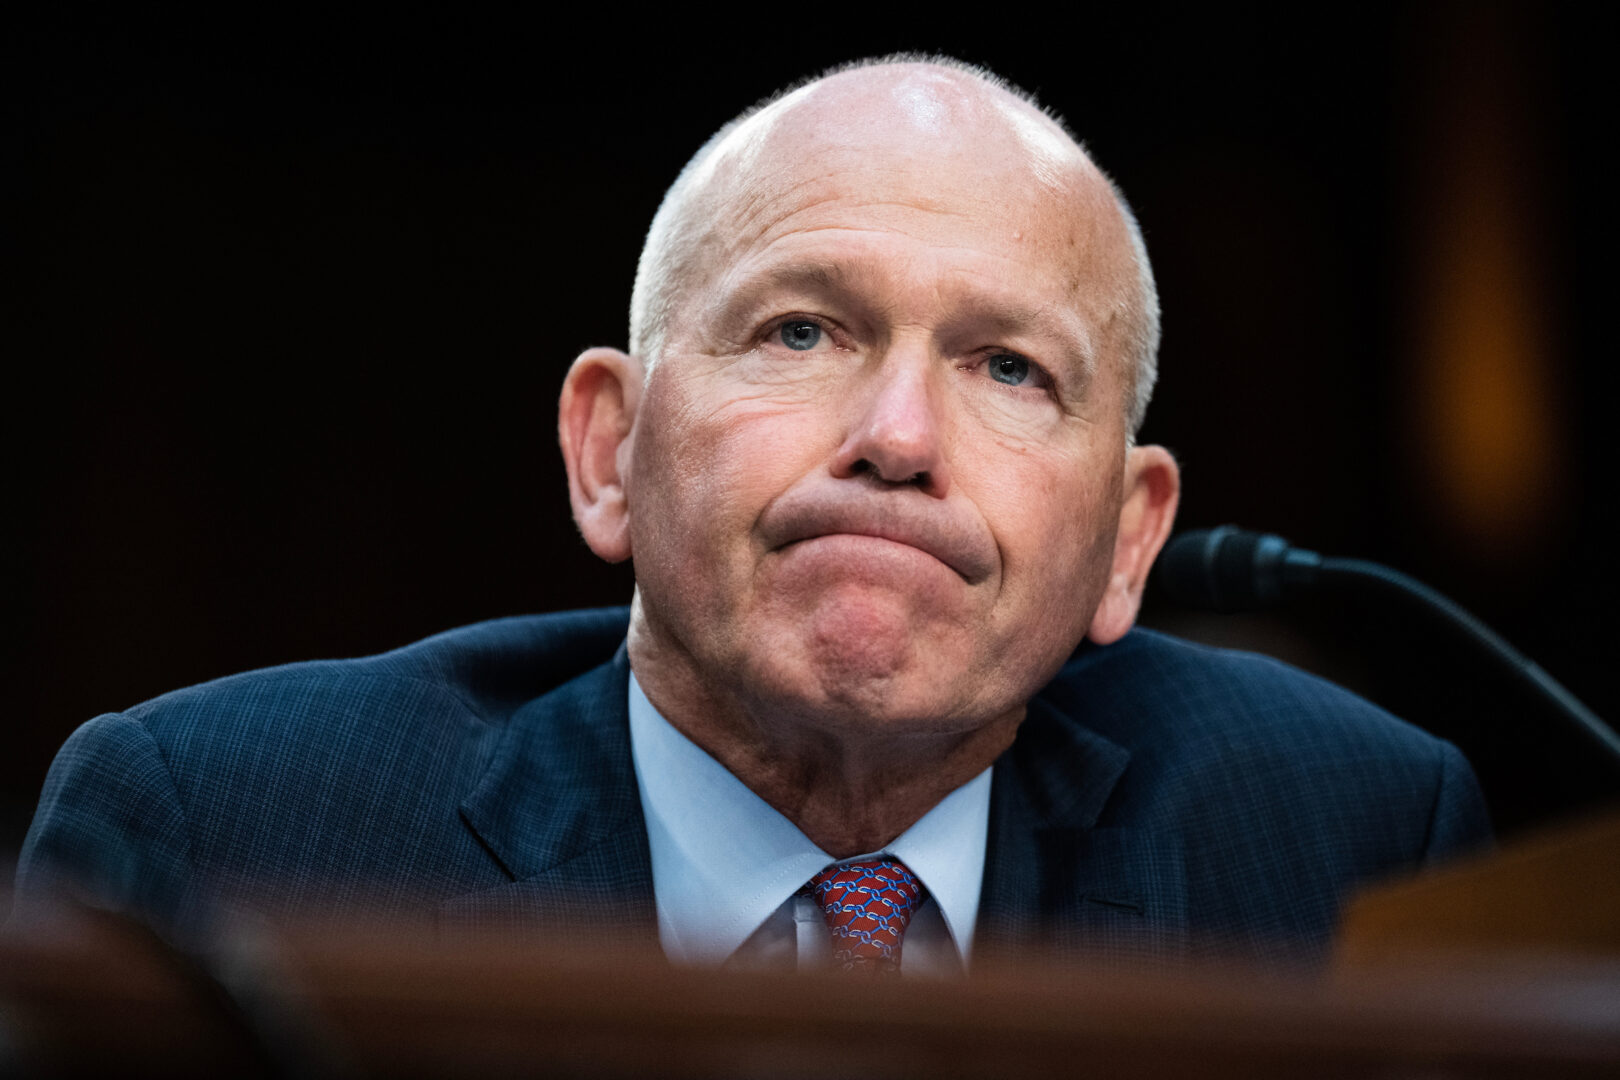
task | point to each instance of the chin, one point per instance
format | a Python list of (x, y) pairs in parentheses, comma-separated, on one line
[(867, 665)]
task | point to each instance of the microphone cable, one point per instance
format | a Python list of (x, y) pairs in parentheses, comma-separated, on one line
[(1228, 569)]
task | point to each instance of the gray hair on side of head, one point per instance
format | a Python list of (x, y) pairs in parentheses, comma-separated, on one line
[(676, 232)]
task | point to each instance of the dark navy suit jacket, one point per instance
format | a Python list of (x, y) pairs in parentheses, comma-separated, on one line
[(1161, 797)]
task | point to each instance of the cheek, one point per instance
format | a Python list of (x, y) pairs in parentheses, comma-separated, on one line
[(1009, 426), (707, 465), (1055, 519)]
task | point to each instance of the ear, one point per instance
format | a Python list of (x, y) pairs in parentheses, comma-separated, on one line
[(1152, 490), (595, 422)]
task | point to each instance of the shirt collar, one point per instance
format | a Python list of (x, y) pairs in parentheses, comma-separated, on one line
[(723, 859)]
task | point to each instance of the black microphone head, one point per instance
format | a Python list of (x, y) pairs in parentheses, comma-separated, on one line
[(1224, 569)]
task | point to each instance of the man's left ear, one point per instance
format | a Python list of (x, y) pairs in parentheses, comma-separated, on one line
[(1152, 490)]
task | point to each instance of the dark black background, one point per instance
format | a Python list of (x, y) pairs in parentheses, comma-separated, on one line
[(287, 304)]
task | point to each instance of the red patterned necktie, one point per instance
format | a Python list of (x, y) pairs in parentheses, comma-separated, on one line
[(868, 906)]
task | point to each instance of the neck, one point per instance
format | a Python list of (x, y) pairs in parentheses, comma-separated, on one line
[(848, 788)]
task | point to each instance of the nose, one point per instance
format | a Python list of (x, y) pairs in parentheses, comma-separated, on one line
[(899, 435)]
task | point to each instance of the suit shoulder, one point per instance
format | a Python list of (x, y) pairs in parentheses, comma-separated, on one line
[(1240, 742), (431, 708), (323, 774), (1280, 790), (480, 672), (1152, 690)]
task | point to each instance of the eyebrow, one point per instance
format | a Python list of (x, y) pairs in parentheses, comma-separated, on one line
[(815, 277), (734, 303)]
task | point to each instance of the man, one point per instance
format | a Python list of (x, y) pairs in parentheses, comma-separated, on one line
[(872, 452)]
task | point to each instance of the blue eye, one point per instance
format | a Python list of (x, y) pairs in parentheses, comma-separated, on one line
[(801, 334), (1009, 369)]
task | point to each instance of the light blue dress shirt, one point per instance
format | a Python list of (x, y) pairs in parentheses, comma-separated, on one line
[(727, 867)]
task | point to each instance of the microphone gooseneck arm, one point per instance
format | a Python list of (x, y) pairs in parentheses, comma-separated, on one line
[(1230, 569)]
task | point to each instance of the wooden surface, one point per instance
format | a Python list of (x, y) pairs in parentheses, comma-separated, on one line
[(87, 995), (1556, 893), (1505, 966)]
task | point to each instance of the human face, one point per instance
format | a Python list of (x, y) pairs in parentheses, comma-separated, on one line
[(876, 473)]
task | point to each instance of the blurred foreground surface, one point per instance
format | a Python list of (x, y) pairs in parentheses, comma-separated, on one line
[(93, 996), (1505, 965)]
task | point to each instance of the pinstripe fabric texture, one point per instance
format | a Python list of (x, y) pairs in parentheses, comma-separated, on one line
[(1162, 798)]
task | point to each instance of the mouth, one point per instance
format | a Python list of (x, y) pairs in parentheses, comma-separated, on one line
[(875, 546), (904, 518)]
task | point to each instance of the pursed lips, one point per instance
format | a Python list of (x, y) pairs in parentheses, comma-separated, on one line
[(903, 517)]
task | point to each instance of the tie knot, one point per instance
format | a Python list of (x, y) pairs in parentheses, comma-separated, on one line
[(868, 905)]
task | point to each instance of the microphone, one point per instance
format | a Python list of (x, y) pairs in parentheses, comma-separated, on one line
[(1228, 569)]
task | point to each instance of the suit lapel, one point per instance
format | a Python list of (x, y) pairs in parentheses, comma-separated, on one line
[(558, 807), (1054, 876)]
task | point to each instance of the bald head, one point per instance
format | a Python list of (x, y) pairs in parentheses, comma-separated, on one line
[(876, 126)]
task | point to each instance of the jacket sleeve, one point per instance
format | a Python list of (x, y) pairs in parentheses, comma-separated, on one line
[(1459, 824), (109, 830)]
